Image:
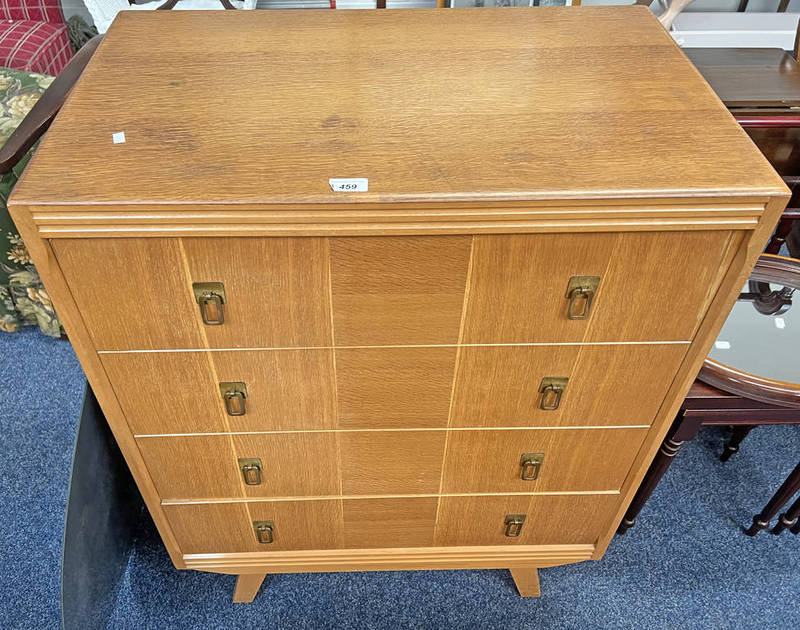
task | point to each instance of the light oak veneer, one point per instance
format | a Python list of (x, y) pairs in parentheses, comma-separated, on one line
[(392, 341)]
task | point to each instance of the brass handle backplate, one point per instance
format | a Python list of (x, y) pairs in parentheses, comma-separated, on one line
[(580, 293), (234, 394), (251, 470), (265, 531), (552, 389), (531, 465), (210, 296), (514, 524)]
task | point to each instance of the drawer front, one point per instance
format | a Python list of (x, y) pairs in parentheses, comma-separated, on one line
[(354, 463), (539, 460), (373, 291), (606, 385), (392, 388), (296, 464), (389, 523)]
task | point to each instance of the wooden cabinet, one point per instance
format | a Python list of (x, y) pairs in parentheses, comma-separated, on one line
[(468, 363)]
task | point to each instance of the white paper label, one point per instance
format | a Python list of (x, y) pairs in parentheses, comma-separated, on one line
[(349, 184), (780, 323), (118, 137), (722, 345)]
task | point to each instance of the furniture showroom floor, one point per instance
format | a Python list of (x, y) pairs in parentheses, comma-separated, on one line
[(686, 564)]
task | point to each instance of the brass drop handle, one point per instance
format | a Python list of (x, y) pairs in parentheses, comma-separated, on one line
[(580, 293), (210, 296), (531, 465), (251, 470), (552, 389), (234, 403), (265, 531), (514, 524), (234, 395)]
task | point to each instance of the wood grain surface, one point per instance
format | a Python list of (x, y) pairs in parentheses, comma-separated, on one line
[(498, 386), (398, 290), (487, 122), (276, 290), (394, 291), (178, 392), (393, 378), (518, 285), (566, 519), (352, 463), (575, 459), (384, 388), (223, 528), (526, 580)]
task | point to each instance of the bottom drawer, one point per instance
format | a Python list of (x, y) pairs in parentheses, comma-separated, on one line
[(391, 522)]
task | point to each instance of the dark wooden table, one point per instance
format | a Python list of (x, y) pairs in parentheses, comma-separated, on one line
[(705, 405), (761, 87), (749, 77)]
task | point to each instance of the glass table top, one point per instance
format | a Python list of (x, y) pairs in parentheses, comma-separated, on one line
[(766, 345)]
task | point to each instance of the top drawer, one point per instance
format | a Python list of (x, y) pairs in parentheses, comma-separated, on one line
[(137, 294)]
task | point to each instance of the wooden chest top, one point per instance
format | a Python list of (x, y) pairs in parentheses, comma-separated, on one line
[(489, 107)]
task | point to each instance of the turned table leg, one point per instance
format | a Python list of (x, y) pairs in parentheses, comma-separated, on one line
[(787, 490), (739, 433), (247, 586), (789, 519), (527, 581), (683, 429)]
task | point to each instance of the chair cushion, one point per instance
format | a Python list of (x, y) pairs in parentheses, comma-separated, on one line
[(34, 46), (36, 10), (23, 299)]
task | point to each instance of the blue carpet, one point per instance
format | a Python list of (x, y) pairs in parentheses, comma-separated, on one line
[(41, 389), (685, 564)]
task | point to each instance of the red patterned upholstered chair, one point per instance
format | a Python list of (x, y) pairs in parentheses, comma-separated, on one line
[(33, 36)]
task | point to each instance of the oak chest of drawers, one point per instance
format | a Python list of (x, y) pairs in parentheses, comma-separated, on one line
[(397, 289)]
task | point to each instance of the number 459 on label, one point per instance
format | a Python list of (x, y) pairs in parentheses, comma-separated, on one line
[(349, 184)]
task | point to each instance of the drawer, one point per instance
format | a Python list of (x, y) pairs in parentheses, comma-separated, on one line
[(388, 388), (617, 385), (294, 389), (388, 523), (354, 463), (539, 460), (137, 294), (296, 464), (648, 289)]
